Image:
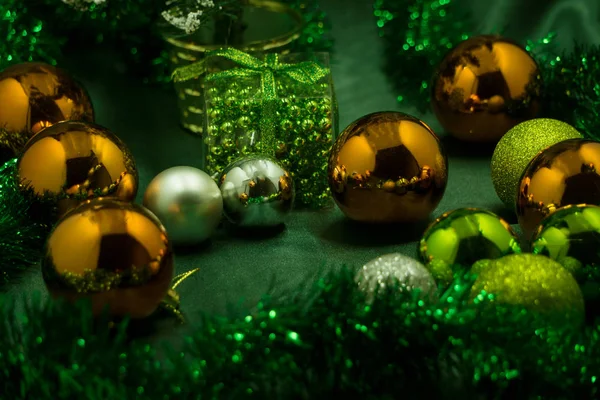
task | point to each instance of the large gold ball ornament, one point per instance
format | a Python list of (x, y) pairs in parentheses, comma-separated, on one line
[(563, 174), (518, 147), (34, 96), (70, 162), (388, 167), (114, 253), (571, 236), (534, 282), (460, 238), (485, 86)]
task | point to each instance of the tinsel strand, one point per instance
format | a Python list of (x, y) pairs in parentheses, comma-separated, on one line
[(327, 342)]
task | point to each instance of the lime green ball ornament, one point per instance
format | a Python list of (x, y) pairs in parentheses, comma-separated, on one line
[(518, 147), (461, 237), (571, 236), (534, 282)]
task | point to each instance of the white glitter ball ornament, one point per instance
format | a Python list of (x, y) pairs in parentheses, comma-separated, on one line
[(385, 270)]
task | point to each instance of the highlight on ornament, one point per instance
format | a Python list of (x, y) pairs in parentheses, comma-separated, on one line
[(388, 167), (518, 147), (114, 253), (187, 201), (484, 87), (463, 237), (33, 97), (571, 236), (257, 192), (70, 162), (563, 174)]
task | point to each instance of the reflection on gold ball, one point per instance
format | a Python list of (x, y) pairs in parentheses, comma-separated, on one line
[(115, 253), (74, 161), (563, 174), (484, 87), (34, 96), (388, 167)]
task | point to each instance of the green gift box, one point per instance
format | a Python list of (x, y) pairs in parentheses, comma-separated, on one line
[(279, 105)]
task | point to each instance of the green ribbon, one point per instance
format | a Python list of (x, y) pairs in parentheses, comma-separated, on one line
[(306, 72)]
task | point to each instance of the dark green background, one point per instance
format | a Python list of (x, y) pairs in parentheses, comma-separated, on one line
[(238, 270)]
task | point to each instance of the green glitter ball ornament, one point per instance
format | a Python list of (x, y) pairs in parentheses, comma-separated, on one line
[(571, 236), (463, 237), (518, 147), (532, 281)]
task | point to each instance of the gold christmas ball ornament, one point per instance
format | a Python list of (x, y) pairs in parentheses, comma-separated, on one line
[(70, 162), (571, 236), (518, 147), (563, 174), (388, 167), (534, 282), (34, 96), (462, 237), (485, 86), (114, 253)]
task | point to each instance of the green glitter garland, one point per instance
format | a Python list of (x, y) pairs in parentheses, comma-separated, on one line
[(24, 37), (21, 238), (418, 34), (322, 342), (572, 88)]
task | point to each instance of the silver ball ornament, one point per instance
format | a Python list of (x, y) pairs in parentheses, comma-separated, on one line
[(257, 192), (187, 201), (388, 269)]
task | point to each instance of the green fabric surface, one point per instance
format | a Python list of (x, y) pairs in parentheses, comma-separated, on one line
[(237, 270)]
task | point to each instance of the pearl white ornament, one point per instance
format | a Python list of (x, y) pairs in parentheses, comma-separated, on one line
[(187, 201), (388, 269)]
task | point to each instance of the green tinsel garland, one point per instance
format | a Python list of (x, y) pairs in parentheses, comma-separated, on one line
[(21, 237), (323, 343)]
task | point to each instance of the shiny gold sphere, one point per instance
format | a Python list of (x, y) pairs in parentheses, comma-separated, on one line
[(484, 87), (34, 96), (563, 174), (388, 167), (70, 162), (114, 253)]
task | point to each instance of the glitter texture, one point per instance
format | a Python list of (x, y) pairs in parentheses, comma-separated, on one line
[(518, 147), (395, 269), (417, 35), (536, 282), (21, 238)]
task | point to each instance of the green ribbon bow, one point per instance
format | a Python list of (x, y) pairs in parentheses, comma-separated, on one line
[(307, 72)]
